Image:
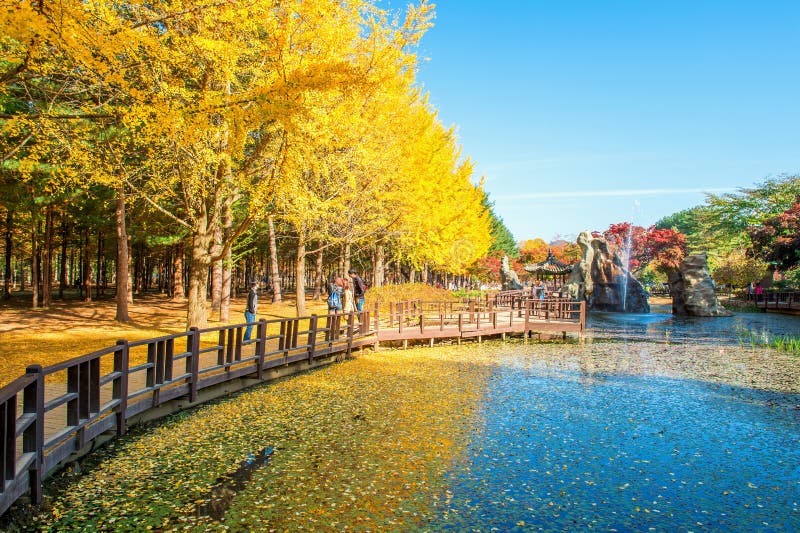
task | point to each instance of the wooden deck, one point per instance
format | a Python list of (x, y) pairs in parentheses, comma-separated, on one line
[(417, 320)]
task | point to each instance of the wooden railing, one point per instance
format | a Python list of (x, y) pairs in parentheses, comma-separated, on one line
[(776, 300), (51, 413), (416, 320)]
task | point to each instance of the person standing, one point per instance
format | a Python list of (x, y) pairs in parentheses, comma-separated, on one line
[(251, 309), (348, 301), (335, 296), (359, 289)]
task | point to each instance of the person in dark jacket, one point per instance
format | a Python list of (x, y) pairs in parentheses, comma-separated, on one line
[(359, 289), (251, 309)]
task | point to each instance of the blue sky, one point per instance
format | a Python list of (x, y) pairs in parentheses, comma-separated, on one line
[(581, 114)]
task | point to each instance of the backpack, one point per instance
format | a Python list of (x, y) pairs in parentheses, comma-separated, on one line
[(335, 300)]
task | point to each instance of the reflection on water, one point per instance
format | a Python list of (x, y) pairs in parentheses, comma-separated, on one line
[(561, 450), (227, 486), (661, 325)]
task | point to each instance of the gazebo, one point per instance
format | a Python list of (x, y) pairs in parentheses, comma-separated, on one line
[(550, 269)]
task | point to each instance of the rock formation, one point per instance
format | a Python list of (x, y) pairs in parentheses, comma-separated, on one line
[(508, 277), (692, 289), (601, 279)]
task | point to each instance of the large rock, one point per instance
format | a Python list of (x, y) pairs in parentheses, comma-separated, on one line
[(508, 277), (692, 289), (601, 279)]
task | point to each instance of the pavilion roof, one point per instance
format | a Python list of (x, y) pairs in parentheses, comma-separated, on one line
[(551, 265)]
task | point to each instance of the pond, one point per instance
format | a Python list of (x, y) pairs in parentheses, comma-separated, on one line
[(661, 325), (560, 450)]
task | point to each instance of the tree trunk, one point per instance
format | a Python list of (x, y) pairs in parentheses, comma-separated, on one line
[(34, 262), (227, 265), (378, 267), (319, 278), (122, 260), (130, 272), (47, 258), (62, 276), (273, 255), (412, 275), (9, 249), (300, 274), (347, 252), (178, 290), (99, 268), (198, 273), (216, 271), (87, 266)]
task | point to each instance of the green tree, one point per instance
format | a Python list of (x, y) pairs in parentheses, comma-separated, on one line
[(502, 240)]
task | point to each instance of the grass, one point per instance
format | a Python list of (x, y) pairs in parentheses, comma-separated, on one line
[(765, 339), (407, 291)]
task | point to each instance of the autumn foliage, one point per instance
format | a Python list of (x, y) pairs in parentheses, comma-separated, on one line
[(663, 248), (195, 123), (777, 239)]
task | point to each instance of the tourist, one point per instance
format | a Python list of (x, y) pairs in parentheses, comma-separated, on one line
[(359, 289), (541, 290), (759, 289), (250, 309), (335, 296), (348, 303)]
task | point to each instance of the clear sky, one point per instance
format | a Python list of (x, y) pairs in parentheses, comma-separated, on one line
[(585, 113)]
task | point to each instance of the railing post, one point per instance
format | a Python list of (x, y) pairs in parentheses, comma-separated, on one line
[(230, 347), (33, 437), (237, 355), (120, 386), (312, 337), (400, 318), (221, 348), (261, 347), (377, 312), (583, 316), (350, 320), (527, 326), (193, 341), (295, 331)]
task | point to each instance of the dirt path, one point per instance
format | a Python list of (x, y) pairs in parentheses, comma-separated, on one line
[(69, 329)]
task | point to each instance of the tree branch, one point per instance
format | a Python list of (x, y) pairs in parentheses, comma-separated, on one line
[(171, 16)]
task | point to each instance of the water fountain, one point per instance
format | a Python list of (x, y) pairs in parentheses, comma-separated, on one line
[(626, 262), (604, 281)]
